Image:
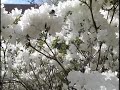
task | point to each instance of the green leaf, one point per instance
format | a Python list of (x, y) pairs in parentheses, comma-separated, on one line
[(17, 19)]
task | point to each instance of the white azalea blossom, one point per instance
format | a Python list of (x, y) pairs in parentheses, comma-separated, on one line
[(75, 48), (93, 80)]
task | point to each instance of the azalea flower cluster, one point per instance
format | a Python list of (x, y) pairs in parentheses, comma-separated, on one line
[(77, 43)]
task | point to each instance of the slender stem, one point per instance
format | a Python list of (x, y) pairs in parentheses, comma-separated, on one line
[(99, 55), (95, 26), (114, 9), (40, 52), (90, 7), (49, 47), (54, 58), (21, 81), (35, 75), (15, 81)]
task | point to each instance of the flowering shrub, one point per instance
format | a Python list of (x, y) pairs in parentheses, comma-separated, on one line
[(75, 47)]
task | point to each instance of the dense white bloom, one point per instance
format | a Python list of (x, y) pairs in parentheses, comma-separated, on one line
[(69, 5), (93, 80), (6, 18), (71, 43), (15, 13), (36, 20), (6, 21)]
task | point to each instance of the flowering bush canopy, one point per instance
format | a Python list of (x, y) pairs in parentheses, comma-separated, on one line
[(71, 46)]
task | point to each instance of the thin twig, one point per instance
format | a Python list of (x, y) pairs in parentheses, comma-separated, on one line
[(99, 55), (90, 8), (114, 9)]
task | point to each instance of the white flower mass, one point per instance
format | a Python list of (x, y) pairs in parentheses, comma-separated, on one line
[(36, 20), (93, 80), (66, 39)]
